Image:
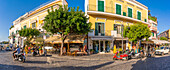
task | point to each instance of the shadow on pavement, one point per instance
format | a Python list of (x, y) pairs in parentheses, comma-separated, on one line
[(39, 56), (160, 63), (36, 62), (15, 67)]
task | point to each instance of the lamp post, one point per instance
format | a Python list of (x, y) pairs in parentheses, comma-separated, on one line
[(122, 37)]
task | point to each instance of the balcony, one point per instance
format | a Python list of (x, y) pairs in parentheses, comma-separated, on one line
[(111, 12), (42, 5), (153, 28), (106, 33)]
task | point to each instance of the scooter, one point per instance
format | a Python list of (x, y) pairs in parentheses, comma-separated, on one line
[(35, 53), (134, 55), (121, 57), (20, 57)]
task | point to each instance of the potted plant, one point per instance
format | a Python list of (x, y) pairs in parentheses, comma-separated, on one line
[(91, 51)]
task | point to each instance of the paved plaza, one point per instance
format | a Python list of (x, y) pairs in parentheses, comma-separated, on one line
[(90, 62)]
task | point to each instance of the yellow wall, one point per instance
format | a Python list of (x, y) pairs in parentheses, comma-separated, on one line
[(110, 7), (38, 13), (109, 22)]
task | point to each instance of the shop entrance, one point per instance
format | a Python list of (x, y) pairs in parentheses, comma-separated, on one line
[(101, 46)]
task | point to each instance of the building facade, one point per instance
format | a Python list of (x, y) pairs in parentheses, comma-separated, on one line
[(32, 19), (108, 17), (153, 27), (165, 34)]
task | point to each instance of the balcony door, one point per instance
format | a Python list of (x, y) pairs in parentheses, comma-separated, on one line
[(101, 5), (118, 28), (99, 29)]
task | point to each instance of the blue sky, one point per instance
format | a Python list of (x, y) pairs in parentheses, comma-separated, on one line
[(12, 9)]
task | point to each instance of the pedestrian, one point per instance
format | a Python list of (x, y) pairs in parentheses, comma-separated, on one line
[(26, 49)]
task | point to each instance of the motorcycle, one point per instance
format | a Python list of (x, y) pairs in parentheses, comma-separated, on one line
[(134, 55), (34, 53), (20, 57), (121, 57)]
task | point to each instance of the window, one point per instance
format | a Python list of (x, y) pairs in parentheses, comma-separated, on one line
[(25, 27), (118, 28), (139, 15), (12, 33), (34, 25), (129, 12), (124, 13), (153, 34), (145, 20), (99, 28), (115, 27), (118, 9), (101, 6)]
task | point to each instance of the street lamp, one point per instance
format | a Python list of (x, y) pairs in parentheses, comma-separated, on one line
[(122, 37)]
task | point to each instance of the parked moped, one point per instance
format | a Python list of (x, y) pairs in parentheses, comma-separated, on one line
[(120, 57)]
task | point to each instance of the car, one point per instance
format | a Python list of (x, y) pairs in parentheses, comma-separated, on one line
[(8, 49), (162, 50)]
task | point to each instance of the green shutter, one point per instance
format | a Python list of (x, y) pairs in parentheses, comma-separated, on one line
[(139, 15), (129, 12), (145, 20), (115, 27), (124, 13), (96, 28), (25, 27), (102, 29), (101, 6), (153, 34), (118, 9)]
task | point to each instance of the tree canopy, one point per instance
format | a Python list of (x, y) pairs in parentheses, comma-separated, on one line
[(163, 38), (29, 33), (65, 21), (137, 32)]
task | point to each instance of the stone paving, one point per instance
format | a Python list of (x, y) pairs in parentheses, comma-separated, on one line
[(91, 62)]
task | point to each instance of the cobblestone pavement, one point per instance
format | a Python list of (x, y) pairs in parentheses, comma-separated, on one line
[(91, 62)]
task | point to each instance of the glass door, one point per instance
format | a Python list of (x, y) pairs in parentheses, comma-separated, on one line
[(96, 46), (101, 46)]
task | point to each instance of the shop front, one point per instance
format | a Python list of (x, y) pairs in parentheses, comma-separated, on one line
[(101, 44), (72, 42)]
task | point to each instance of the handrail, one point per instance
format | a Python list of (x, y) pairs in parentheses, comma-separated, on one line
[(41, 5)]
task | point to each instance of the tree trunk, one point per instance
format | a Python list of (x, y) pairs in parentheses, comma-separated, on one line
[(137, 47), (62, 45)]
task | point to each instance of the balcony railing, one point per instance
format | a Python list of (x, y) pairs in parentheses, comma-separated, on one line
[(113, 11), (153, 28), (106, 33), (41, 5)]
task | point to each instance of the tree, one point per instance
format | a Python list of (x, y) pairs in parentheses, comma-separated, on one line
[(29, 34), (163, 38), (65, 21), (137, 32)]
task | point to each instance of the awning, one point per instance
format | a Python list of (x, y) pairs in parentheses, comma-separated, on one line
[(69, 39), (156, 42), (147, 42), (37, 40), (120, 38), (102, 38)]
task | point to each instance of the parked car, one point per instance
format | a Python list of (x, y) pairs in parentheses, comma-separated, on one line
[(8, 49), (162, 50)]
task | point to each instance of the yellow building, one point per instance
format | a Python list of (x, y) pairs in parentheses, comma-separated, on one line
[(33, 19), (108, 17)]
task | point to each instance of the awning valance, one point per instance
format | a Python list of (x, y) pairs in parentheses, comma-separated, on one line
[(69, 39), (102, 38)]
